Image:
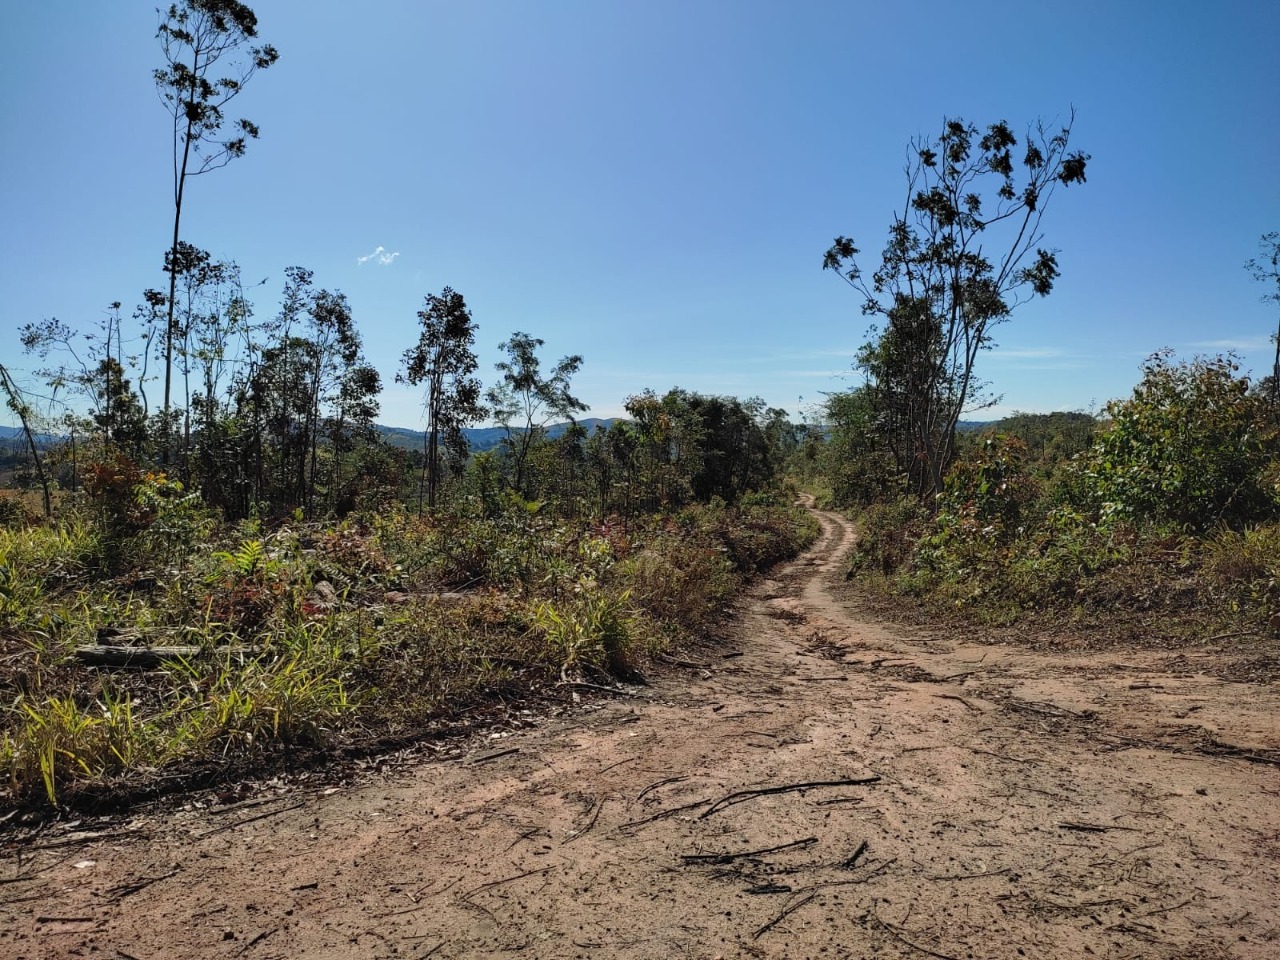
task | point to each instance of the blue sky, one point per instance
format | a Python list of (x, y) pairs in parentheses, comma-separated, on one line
[(653, 184)]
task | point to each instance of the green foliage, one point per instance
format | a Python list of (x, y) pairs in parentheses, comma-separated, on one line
[(855, 460), (938, 286), (444, 359), (887, 534), (990, 486), (1051, 439), (592, 629), (525, 399), (1187, 450)]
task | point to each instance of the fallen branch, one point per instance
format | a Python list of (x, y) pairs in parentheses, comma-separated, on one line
[(768, 888), (662, 813), (466, 897), (595, 815), (862, 879), (654, 786), (960, 699), (618, 764), (852, 861), (786, 912), (129, 889), (149, 658), (493, 756), (1176, 906), (893, 932), (742, 796), (730, 857), (1231, 636), (679, 662), (257, 940), (585, 685), (246, 820), (1092, 827)]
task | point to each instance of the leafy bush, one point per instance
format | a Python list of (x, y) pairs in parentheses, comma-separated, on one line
[(1188, 449), (887, 535)]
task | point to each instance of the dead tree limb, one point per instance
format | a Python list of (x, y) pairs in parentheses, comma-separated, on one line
[(786, 912), (717, 858), (742, 796)]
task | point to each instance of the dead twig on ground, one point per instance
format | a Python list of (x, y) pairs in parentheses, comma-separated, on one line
[(1093, 827), (893, 932), (958, 699), (257, 940), (741, 796), (497, 754), (856, 880), (1176, 906), (116, 894), (1002, 756), (619, 763), (466, 897), (654, 786), (586, 685), (852, 861), (247, 820), (730, 857), (786, 912), (662, 813), (1231, 636), (595, 815)]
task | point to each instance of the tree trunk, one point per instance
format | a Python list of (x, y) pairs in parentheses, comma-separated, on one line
[(20, 408)]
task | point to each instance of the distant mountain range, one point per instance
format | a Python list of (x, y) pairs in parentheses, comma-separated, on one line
[(480, 438)]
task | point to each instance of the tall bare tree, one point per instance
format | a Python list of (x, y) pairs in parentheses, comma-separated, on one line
[(955, 267), (208, 60), (1265, 268)]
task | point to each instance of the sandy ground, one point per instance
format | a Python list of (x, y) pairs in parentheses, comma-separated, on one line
[(819, 787)]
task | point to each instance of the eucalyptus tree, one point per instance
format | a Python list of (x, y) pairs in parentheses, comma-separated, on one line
[(209, 57), (16, 402), (444, 359), (525, 401), (1265, 268), (312, 383), (956, 265)]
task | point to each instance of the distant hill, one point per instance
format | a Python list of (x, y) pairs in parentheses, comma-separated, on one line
[(16, 435), (480, 438)]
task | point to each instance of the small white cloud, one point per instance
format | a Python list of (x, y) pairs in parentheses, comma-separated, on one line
[(1242, 344), (381, 255), (1026, 353)]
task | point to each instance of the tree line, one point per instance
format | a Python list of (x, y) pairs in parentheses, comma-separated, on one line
[(278, 415)]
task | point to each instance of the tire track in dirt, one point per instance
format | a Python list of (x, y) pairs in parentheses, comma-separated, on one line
[(974, 801)]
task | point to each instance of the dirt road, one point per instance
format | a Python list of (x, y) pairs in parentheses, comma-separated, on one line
[(965, 800)]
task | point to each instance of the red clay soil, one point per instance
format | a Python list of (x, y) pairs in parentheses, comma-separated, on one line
[(819, 787)]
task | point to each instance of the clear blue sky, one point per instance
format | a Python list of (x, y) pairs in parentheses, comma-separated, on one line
[(653, 184)]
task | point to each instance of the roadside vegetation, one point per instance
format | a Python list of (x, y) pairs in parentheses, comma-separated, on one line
[(175, 647), (1157, 522), (229, 567)]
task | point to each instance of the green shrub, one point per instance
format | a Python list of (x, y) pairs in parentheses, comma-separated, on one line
[(887, 535), (1189, 449)]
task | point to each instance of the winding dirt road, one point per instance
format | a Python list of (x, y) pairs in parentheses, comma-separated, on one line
[(964, 800)]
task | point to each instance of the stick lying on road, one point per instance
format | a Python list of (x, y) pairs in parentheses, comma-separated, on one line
[(743, 795)]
